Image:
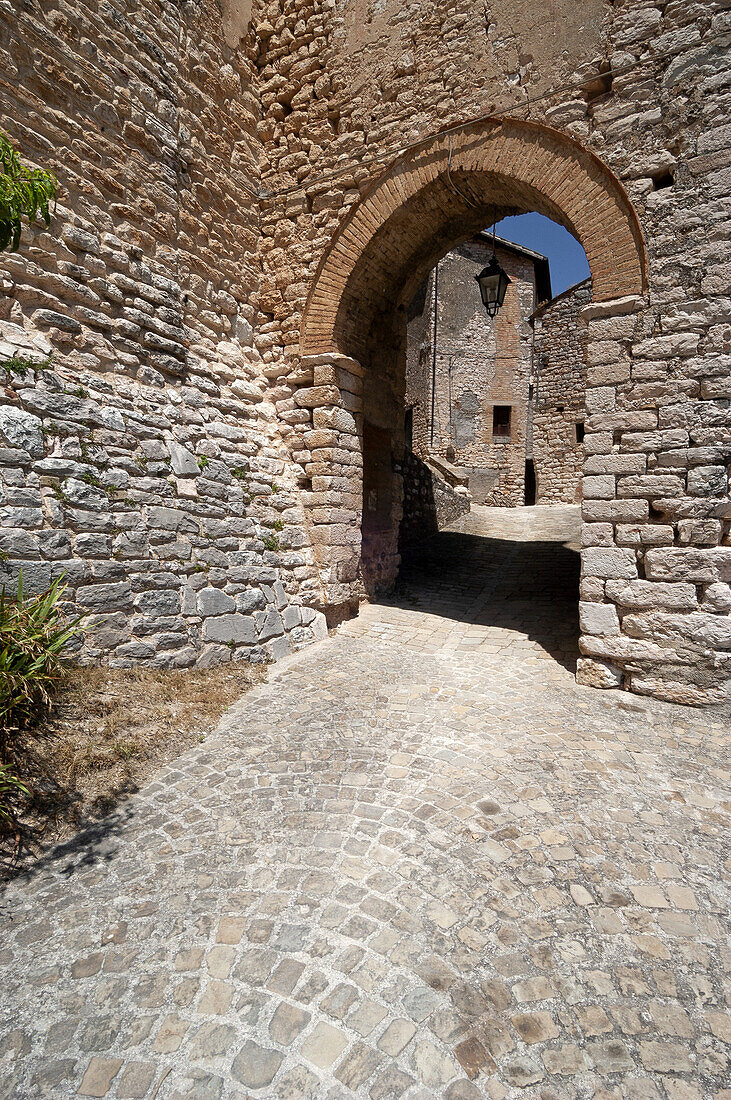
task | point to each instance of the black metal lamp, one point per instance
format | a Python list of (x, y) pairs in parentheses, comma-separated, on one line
[(493, 282)]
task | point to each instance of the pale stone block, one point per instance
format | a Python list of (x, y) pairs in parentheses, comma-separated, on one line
[(617, 562), (598, 618), (698, 566), (641, 594), (598, 488), (644, 534)]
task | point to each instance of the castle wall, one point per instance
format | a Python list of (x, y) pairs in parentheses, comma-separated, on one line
[(140, 460), (559, 397), (157, 206)]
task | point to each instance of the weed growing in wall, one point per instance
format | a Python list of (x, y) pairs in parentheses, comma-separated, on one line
[(23, 192)]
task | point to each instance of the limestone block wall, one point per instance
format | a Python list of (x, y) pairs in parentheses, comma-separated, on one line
[(645, 87), (431, 503), (170, 291), (142, 459), (559, 396)]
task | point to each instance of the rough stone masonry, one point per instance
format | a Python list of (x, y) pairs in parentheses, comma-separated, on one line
[(217, 311)]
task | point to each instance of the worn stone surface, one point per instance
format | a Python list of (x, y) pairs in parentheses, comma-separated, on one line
[(420, 862)]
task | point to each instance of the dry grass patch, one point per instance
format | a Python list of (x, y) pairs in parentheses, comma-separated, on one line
[(109, 731)]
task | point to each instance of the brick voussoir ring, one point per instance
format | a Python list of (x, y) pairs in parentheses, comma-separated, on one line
[(401, 212)]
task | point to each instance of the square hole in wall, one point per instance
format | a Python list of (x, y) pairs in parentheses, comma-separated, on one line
[(501, 421)]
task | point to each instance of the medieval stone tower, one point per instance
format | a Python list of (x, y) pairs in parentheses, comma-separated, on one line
[(208, 345)]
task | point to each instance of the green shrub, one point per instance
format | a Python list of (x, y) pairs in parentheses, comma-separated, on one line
[(33, 636)]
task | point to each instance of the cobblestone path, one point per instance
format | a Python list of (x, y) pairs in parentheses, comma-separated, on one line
[(420, 863)]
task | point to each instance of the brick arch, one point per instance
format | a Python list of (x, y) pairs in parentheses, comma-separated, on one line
[(432, 197)]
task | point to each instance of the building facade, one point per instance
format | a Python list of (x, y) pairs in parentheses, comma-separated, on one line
[(502, 398), (558, 406), (468, 377)]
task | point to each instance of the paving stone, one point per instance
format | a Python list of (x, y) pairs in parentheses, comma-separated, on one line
[(391, 1084), (210, 1040), (256, 1066), (358, 1065), (324, 1045), (170, 1034), (366, 1017), (396, 1036), (135, 1080), (99, 1075), (230, 930), (534, 1027), (473, 1057), (287, 1022), (298, 1083), (435, 1067), (434, 759), (216, 998)]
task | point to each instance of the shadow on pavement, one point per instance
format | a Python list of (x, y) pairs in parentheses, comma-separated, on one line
[(531, 587)]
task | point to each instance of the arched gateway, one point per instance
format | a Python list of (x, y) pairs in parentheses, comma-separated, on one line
[(353, 334), (448, 188)]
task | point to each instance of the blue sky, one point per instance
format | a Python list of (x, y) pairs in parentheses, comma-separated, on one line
[(566, 257)]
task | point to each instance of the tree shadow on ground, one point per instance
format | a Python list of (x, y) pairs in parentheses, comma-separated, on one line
[(529, 587), (95, 843)]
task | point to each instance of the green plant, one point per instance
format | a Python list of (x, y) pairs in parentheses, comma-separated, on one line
[(240, 473), (23, 191), (271, 542), (126, 750), (91, 479), (33, 636), (275, 487), (10, 788), (202, 462), (278, 525), (20, 364), (3, 556)]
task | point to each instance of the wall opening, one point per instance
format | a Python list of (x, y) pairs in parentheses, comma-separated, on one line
[(530, 482), (429, 203)]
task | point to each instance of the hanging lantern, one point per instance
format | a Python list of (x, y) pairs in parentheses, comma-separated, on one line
[(493, 282)]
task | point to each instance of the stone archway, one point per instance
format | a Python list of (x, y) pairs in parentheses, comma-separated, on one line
[(353, 329), (433, 197)]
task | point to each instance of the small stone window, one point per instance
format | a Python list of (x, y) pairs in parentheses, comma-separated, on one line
[(501, 421), (579, 427)]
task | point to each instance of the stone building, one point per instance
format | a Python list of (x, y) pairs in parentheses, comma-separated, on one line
[(504, 398), (251, 195), (469, 377), (558, 405)]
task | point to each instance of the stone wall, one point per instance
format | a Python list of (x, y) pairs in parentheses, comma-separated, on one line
[(559, 396), (161, 129), (431, 502), (142, 460), (472, 363)]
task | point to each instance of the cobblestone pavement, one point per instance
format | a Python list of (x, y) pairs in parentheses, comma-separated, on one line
[(420, 862)]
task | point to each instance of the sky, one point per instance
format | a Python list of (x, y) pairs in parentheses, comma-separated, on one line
[(566, 257)]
